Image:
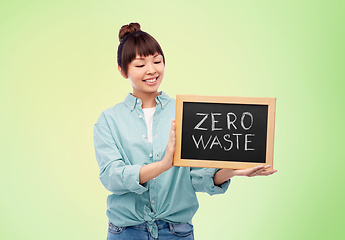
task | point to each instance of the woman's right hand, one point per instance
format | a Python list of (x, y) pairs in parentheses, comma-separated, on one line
[(168, 158), (152, 170)]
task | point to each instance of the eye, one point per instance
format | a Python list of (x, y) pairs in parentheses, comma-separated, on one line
[(140, 66), (158, 62)]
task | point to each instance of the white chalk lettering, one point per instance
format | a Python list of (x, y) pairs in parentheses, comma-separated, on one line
[(237, 142), (214, 121), (202, 142), (226, 136), (241, 143), (246, 141), (242, 120), (215, 142), (229, 120), (232, 140), (197, 127)]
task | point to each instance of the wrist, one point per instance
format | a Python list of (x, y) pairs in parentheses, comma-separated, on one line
[(163, 165), (237, 172)]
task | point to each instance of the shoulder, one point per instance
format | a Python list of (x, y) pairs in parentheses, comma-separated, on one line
[(112, 113)]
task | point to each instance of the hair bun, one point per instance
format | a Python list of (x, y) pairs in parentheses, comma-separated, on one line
[(128, 29)]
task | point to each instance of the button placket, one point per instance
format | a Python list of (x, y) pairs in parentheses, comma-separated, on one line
[(140, 115), (156, 144), (152, 197), (154, 151), (153, 194)]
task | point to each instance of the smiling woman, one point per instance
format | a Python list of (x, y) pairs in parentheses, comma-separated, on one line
[(135, 145)]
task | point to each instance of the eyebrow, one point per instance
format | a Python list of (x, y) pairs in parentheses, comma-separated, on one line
[(140, 58)]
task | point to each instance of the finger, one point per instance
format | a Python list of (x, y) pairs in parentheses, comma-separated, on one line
[(172, 138), (267, 172), (253, 171), (173, 125), (258, 172), (173, 128)]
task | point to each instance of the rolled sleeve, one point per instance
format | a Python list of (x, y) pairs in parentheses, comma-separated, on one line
[(131, 179), (202, 181), (115, 175)]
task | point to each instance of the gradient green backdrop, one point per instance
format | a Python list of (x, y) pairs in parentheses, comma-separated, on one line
[(58, 72)]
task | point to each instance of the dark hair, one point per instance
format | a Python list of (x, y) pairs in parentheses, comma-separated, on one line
[(135, 42)]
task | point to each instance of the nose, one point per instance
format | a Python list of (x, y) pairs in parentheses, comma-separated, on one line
[(150, 69)]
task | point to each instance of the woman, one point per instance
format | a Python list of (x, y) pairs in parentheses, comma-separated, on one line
[(135, 143)]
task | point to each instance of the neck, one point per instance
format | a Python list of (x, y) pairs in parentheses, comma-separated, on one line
[(148, 99)]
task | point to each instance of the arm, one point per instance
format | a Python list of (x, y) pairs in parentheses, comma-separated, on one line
[(225, 174), (202, 181), (115, 175), (152, 170)]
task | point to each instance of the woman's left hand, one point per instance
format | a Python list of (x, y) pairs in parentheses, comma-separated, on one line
[(255, 171), (225, 174)]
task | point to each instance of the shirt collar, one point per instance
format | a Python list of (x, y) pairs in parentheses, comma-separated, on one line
[(132, 102)]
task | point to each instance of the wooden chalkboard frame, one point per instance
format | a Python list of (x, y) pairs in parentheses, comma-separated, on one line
[(270, 102)]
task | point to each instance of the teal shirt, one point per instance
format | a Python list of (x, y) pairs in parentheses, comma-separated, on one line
[(122, 148)]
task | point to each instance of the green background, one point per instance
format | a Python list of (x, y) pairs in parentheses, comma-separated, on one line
[(58, 72)]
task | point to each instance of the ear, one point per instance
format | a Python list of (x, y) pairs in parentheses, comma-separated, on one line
[(122, 72)]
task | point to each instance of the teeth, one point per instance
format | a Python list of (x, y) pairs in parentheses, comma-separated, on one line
[(151, 80)]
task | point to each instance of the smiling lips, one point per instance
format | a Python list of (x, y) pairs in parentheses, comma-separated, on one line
[(151, 81)]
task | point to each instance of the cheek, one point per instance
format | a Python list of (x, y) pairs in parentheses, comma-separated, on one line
[(161, 70), (134, 75)]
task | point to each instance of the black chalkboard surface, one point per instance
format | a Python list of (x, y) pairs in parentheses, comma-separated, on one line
[(224, 132)]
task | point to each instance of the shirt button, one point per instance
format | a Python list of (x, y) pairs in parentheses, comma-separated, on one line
[(143, 136), (162, 104), (132, 107), (154, 178), (150, 155), (140, 116), (153, 202), (156, 135), (138, 101), (156, 154)]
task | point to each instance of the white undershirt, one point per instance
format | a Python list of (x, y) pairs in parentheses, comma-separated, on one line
[(149, 112)]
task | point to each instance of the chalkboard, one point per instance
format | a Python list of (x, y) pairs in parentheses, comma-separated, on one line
[(224, 132)]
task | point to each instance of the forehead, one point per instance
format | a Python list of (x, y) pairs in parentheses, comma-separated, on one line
[(156, 55)]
